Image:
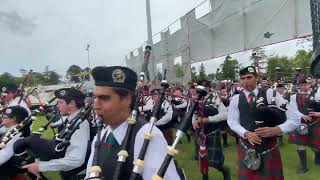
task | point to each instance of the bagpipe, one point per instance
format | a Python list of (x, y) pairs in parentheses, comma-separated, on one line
[(55, 148), (24, 128), (25, 83), (311, 106), (183, 127), (269, 115), (95, 169), (18, 129), (138, 164), (264, 115)]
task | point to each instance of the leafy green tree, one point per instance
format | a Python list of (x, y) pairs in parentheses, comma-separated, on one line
[(283, 64), (6, 78), (229, 68), (53, 78), (302, 59), (211, 77), (202, 73), (259, 58), (73, 73), (194, 74), (179, 70)]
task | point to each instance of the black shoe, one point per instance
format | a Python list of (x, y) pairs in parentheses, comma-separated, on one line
[(303, 161), (301, 170), (226, 173), (317, 157)]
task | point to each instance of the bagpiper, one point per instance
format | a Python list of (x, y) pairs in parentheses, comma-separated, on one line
[(307, 134), (259, 156)]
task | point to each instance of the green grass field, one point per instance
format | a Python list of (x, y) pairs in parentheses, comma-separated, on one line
[(190, 166)]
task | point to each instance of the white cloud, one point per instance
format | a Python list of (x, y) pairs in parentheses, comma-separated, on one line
[(61, 29)]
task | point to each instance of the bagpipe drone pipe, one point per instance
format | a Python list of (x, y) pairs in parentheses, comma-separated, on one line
[(138, 164), (184, 126)]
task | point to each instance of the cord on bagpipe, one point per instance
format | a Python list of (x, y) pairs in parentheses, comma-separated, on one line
[(184, 126)]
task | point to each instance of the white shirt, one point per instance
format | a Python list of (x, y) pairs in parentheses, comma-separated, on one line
[(15, 102), (156, 152), (3, 130), (166, 106), (7, 152), (167, 110), (59, 122), (76, 151), (292, 122), (294, 106), (222, 113), (149, 104)]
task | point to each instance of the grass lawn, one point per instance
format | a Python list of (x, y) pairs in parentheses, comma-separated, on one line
[(185, 160)]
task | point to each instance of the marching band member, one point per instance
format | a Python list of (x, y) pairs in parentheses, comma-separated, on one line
[(301, 102), (12, 98), (12, 116), (214, 112), (70, 101), (224, 99), (115, 87), (259, 156)]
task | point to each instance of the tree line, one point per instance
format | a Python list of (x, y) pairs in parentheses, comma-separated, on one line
[(272, 67), (74, 74)]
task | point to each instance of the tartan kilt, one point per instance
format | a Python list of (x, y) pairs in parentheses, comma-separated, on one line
[(271, 167), (312, 139), (214, 148), (223, 126)]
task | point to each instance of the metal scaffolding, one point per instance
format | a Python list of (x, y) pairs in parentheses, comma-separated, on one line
[(315, 20)]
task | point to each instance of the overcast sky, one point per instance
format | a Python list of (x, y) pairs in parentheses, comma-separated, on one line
[(36, 33)]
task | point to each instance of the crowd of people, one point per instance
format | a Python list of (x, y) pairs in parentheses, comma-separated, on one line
[(124, 129)]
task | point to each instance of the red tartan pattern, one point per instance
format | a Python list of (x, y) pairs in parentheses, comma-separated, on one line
[(312, 139), (271, 168)]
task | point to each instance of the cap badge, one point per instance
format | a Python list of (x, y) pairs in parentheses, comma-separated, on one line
[(8, 111), (63, 93), (250, 69), (4, 89), (312, 98), (118, 76)]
